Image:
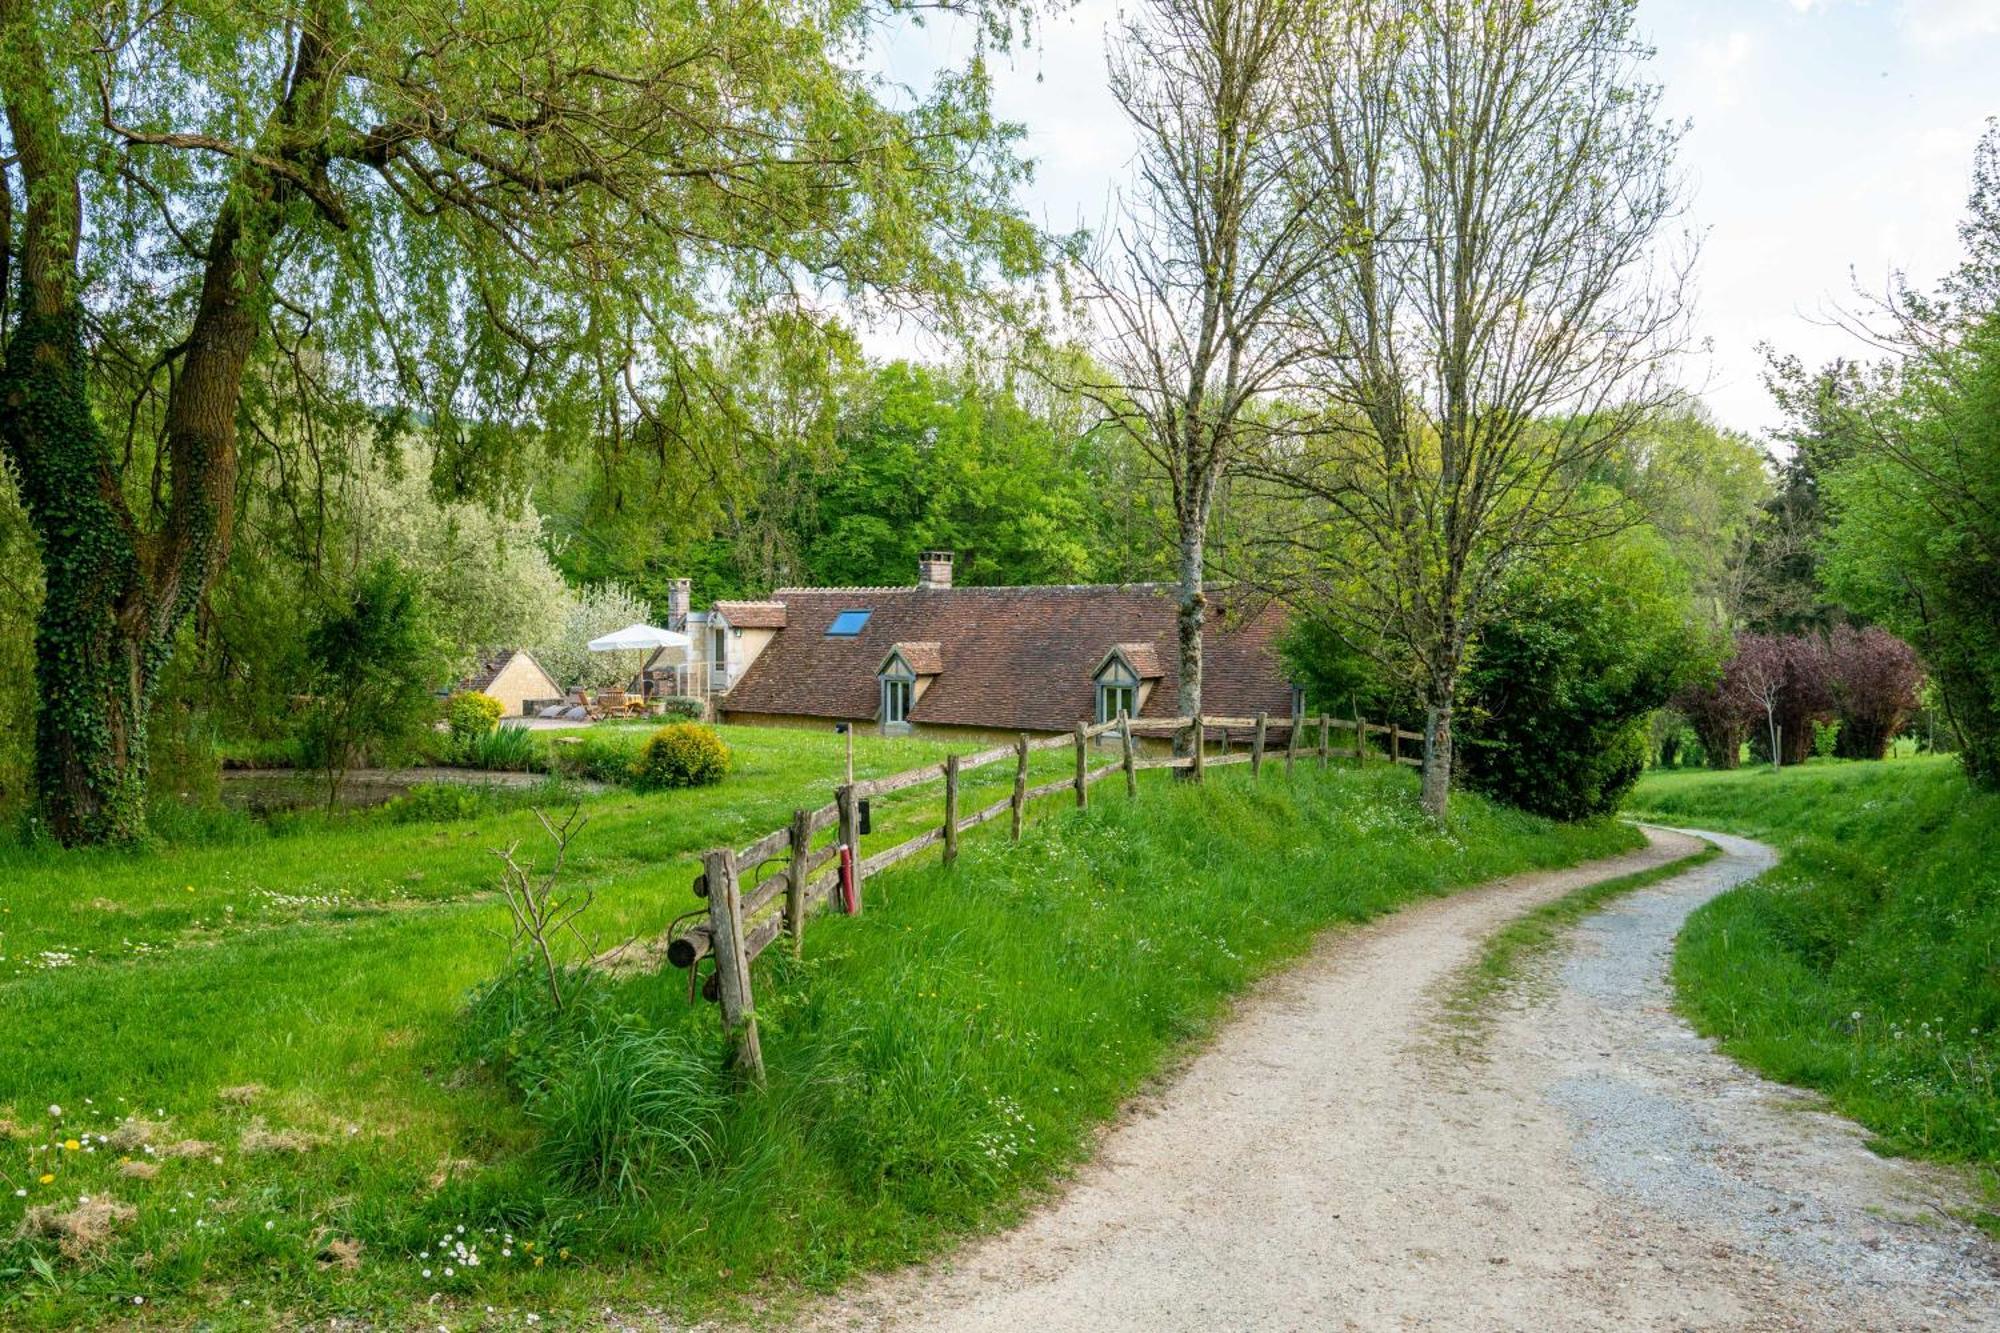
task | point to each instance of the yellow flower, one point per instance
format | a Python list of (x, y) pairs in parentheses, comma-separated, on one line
[(72, 1145), (538, 1261), (527, 1247), (48, 1179)]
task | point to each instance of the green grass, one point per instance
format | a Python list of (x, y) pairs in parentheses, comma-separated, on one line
[(1507, 959), (1867, 964), (933, 1063)]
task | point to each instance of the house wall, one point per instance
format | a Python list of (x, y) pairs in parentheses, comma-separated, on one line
[(980, 737), (520, 680)]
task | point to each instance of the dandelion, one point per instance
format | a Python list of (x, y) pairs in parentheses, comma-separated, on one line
[(48, 1179), (55, 1112)]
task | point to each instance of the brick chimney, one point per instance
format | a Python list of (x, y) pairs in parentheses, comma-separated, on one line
[(680, 599), (934, 569)]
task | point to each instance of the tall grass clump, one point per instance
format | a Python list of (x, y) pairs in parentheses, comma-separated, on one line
[(1867, 963), (626, 1106)]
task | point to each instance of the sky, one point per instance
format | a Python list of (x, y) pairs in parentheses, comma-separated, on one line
[(1829, 146)]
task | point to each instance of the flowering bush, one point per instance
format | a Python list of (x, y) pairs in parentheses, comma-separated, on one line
[(685, 754), (469, 715)]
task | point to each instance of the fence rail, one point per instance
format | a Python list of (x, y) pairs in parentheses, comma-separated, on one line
[(742, 923)]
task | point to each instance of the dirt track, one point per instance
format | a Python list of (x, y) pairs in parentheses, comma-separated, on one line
[(1326, 1164)]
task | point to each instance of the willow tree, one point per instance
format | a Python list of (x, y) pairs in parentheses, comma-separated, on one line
[(499, 220), (1191, 298), (1498, 183)]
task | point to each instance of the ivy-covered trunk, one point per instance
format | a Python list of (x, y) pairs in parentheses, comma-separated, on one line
[(91, 678)]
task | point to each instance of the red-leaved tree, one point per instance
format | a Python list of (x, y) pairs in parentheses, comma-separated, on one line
[(1789, 680), (1874, 677)]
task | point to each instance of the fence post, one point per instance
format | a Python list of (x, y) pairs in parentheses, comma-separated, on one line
[(1292, 743), (795, 891), (850, 830), (1020, 782), (732, 964), (1200, 745), (1082, 766), (1360, 740), (1325, 738), (1131, 762), (1257, 745), (950, 808), (1395, 742)]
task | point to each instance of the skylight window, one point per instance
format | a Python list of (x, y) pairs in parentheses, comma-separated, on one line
[(847, 624)]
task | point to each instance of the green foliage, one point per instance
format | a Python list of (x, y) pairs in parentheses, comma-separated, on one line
[(470, 715), (682, 708), (374, 662), (1864, 965), (601, 754), (685, 754), (1568, 673)]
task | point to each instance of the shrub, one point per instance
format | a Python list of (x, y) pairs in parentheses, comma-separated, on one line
[(627, 1103), (682, 707), (682, 755), (1567, 677), (372, 658), (468, 715), (599, 756)]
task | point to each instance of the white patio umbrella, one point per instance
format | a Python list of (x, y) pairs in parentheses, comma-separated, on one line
[(639, 638)]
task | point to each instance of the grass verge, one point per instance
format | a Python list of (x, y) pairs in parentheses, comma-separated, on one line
[(933, 1063), (1866, 965), (1509, 959)]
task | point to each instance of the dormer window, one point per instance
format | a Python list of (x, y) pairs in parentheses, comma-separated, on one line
[(1119, 677), (898, 684), (1117, 692)]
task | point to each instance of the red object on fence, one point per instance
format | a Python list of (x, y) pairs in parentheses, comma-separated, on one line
[(850, 897)]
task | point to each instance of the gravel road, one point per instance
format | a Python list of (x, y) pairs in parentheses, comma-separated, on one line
[(1329, 1164)]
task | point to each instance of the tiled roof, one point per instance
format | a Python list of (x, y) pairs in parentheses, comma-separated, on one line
[(1144, 658), (926, 659), (488, 672), (1014, 659), (753, 615)]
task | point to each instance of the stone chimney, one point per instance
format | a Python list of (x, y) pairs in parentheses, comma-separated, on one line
[(934, 569), (680, 598)]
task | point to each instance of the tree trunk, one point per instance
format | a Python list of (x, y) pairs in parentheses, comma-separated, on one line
[(1437, 758), (1188, 623), (90, 673)]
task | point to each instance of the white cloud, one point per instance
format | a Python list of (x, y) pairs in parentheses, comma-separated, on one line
[(1937, 24)]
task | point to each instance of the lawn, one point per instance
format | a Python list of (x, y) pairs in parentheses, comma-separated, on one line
[(1867, 964), (288, 1008)]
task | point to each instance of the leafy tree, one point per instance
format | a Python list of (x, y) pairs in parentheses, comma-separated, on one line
[(1915, 540), (375, 667), (1876, 679), (1788, 678), (1494, 181), (1718, 704), (1569, 672), (1191, 303), (517, 220), (591, 614)]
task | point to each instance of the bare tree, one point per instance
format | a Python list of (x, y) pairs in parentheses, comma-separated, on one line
[(1192, 299), (1497, 181)]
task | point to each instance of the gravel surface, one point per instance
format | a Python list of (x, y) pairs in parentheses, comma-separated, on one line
[(1324, 1165)]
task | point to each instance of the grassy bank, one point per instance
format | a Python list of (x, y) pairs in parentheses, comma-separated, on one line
[(1867, 964), (295, 1004)]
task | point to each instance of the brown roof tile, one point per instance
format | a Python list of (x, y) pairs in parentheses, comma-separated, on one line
[(753, 615), (926, 659), (1020, 659)]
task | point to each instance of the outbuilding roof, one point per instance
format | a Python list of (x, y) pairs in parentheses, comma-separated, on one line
[(753, 615)]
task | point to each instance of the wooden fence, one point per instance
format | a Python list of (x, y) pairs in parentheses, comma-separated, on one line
[(788, 876)]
